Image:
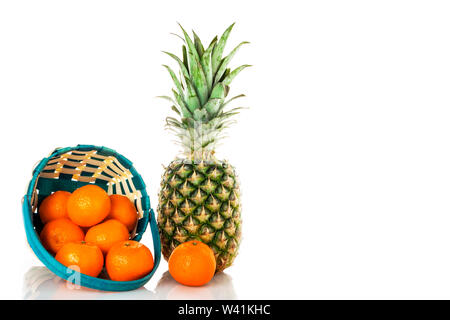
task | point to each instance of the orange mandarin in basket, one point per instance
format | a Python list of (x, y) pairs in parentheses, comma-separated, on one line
[(81, 256), (59, 232), (88, 205), (129, 260), (106, 234), (54, 206), (123, 209)]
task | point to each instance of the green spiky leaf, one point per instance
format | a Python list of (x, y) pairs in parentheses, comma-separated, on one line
[(234, 73), (174, 108), (185, 58), (173, 122), (180, 102), (206, 63), (226, 61), (199, 94), (196, 71), (175, 79), (228, 101), (225, 74), (192, 100), (198, 44), (166, 98), (218, 50), (212, 106), (183, 68), (235, 97), (219, 91), (178, 36)]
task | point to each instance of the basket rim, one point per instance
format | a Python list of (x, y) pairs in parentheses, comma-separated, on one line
[(82, 147)]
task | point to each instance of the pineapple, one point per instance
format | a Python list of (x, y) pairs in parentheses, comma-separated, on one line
[(199, 197)]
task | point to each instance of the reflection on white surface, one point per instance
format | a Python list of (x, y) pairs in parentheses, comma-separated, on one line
[(220, 287), (41, 284)]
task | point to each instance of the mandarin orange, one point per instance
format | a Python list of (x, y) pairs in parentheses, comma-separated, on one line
[(54, 206), (88, 205), (192, 263), (128, 260), (58, 232), (123, 210), (81, 256), (106, 234)]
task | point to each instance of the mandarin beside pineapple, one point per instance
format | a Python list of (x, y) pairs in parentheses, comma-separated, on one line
[(192, 263)]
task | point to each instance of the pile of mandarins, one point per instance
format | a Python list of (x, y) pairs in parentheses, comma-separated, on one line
[(88, 230)]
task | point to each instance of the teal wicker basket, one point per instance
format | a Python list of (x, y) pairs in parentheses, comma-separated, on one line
[(73, 167)]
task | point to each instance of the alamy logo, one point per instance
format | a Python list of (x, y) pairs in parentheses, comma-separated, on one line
[(74, 278)]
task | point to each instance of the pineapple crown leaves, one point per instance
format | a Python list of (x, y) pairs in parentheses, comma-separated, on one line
[(201, 88)]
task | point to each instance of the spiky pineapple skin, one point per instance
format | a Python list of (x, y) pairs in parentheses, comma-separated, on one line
[(201, 201)]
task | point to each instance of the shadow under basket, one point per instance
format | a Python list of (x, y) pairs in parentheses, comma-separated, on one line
[(68, 169)]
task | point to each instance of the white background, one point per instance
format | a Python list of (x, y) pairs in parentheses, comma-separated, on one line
[(343, 153)]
